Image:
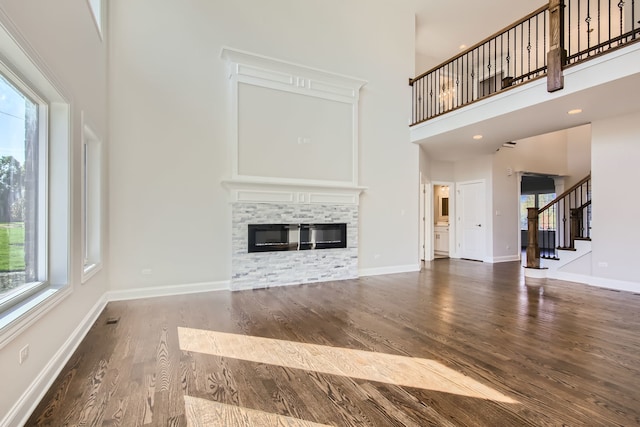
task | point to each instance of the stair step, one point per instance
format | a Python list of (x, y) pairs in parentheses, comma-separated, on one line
[(586, 239), (550, 257), (566, 249)]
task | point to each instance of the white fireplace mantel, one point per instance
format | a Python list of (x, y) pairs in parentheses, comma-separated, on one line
[(262, 190)]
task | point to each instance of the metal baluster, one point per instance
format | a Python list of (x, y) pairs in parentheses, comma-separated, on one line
[(621, 6), (588, 21), (568, 27), (633, 18), (579, 18), (610, 24), (599, 27)]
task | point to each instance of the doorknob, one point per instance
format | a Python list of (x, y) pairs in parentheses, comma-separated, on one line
[(478, 225)]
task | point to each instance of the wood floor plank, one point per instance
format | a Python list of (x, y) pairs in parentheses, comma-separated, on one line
[(566, 353)]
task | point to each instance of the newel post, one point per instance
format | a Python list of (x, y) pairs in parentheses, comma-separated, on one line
[(533, 251), (557, 55)]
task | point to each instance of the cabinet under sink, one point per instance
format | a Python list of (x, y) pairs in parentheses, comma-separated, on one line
[(441, 239)]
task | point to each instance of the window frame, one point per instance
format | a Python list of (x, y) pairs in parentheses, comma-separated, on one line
[(536, 198), (91, 201), (95, 7), (22, 67)]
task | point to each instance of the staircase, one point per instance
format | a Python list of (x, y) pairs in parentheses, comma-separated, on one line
[(559, 235)]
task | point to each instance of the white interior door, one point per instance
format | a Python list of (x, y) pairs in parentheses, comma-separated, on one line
[(471, 220)]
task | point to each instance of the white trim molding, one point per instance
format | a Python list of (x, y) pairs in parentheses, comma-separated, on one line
[(260, 71), (506, 258), (257, 190), (396, 269), (170, 290)]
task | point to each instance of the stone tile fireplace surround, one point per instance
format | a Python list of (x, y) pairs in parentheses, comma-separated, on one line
[(267, 269)]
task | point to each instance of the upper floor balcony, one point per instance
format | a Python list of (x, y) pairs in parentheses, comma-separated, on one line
[(523, 80)]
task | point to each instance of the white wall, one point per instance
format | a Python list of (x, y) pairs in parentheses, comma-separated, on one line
[(170, 132), (578, 154), (505, 206), (615, 232), (64, 42), (442, 171)]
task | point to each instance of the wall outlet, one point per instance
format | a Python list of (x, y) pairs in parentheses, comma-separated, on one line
[(146, 271), (603, 264), (23, 354)]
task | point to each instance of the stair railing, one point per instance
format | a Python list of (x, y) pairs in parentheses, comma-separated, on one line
[(564, 220)]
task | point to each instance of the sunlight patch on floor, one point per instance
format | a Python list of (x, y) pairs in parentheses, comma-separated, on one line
[(381, 367), (202, 412)]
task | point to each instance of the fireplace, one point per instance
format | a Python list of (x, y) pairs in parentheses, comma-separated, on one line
[(296, 237)]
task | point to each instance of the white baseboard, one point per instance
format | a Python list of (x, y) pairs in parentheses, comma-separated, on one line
[(506, 258), (164, 291), (601, 282), (389, 270), (22, 410)]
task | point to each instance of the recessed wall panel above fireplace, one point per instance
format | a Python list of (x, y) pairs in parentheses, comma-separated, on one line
[(292, 123)]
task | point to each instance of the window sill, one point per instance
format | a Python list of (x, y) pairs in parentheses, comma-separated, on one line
[(23, 315), (90, 270)]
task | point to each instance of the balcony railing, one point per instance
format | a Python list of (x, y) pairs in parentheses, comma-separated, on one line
[(510, 57), (593, 27), (570, 32)]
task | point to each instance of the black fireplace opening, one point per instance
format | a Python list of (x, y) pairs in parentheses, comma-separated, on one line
[(296, 237)]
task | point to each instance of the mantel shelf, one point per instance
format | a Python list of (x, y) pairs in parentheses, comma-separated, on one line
[(257, 190)]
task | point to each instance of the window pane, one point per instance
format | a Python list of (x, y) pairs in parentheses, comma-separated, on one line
[(526, 201), (18, 189), (547, 221)]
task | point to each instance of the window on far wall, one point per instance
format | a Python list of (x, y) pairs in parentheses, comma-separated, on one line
[(91, 202), (538, 200), (96, 11), (23, 126)]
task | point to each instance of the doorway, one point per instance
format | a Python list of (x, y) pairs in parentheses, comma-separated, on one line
[(441, 204)]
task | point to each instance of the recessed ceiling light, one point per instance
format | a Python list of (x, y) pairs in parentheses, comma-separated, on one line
[(576, 111), (462, 47), (477, 137)]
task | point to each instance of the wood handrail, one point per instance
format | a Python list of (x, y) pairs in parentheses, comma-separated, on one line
[(486, 40), (565, 194)]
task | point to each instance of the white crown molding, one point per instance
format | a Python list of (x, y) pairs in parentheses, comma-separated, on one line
[(252, 66)]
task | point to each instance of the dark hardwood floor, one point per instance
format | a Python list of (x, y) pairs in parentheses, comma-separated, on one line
[(562, 353)]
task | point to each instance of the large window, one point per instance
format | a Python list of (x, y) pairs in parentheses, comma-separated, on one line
[(23, 122), (538, 200), (34, 189)]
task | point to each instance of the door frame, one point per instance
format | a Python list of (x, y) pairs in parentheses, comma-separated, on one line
[(429, 229)]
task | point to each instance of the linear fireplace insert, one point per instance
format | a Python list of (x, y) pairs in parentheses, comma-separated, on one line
[(296, 237)]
